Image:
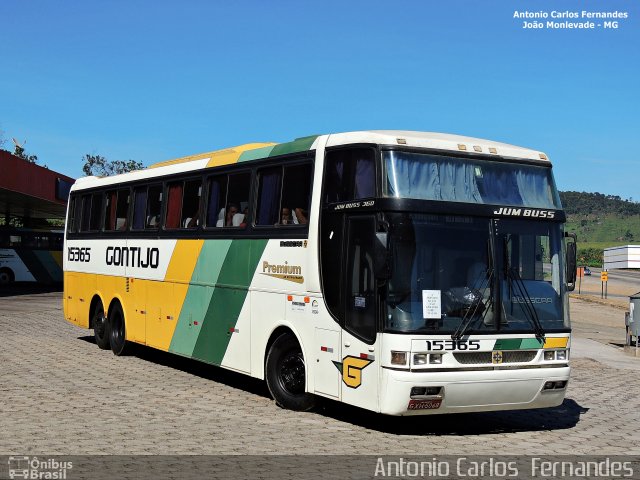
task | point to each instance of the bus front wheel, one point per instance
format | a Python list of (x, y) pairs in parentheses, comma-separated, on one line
[(117, 331), (286, 374), (100, 327)]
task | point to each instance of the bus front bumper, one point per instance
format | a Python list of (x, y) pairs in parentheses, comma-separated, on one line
[(472, 391)]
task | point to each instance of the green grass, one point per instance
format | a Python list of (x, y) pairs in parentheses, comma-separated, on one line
[(604, 231)]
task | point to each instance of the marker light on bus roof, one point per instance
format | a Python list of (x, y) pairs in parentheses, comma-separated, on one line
[(461, 146), (493, 150), (401, 141), (543, 156), (477, 148)]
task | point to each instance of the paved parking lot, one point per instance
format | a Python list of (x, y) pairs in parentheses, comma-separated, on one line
[(60, 394)]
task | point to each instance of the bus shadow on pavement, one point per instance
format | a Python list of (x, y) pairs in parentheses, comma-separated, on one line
[(561, 417), (28, 288), (197, 368)]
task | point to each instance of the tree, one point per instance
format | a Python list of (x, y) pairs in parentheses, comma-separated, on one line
[(21, 153), (100, 166)]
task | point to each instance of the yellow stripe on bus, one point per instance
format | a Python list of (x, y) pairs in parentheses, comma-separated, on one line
[(231, 155), (165, 299), (556, 342)]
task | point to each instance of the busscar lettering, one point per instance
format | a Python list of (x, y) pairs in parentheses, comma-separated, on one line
[(137, 257)]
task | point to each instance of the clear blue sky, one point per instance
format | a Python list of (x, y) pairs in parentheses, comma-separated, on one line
[(153, 80)]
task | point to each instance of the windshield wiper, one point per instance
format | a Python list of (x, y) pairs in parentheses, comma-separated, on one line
[(514, 278), (470, 314), (481, 285)]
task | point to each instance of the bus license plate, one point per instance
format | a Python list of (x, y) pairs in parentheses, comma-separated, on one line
[(424, 404)]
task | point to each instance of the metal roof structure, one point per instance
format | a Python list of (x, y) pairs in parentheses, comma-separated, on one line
[(31, 192)]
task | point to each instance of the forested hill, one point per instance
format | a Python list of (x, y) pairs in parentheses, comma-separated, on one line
[(600, 221), (584, 203)]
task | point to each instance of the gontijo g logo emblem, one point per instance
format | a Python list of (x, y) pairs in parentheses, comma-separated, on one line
[(351, 368)]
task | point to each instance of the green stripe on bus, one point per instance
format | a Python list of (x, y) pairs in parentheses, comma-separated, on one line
[(530, 344), (517, 344), (205, 276), (34, 265), (255, 154), (298, 145), (49, 263), (227, 299), (508, 344)]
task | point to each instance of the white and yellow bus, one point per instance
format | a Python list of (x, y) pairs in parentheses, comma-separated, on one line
[(401, 272)]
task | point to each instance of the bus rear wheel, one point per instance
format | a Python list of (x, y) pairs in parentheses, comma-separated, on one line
[(117, 331), (100, 327), (6, 276), (286, 375)]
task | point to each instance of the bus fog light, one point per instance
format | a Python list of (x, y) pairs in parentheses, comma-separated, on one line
[(548, 385), (550, 355), (420, 359), (433, 390), (561, 355), (435, 358), (398, 358), (418, 391), (560, 385)]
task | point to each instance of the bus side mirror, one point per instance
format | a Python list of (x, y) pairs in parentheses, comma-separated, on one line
[(572, 261), (381, 256)]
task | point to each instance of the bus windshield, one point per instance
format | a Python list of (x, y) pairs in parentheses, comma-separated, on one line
[(440, 177), (493, 275)]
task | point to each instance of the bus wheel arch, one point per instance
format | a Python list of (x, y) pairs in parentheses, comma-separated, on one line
[(98, 322), (285, 371), (116, 326), (6, 276)]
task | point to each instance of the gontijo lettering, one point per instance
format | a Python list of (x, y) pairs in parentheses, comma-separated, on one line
[(133, 257)]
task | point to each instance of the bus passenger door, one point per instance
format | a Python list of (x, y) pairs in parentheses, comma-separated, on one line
[(359, 360)]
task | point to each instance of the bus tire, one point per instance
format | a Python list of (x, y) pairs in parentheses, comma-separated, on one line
[(6, 276), (286, 375), (100, 327), (117, 331)]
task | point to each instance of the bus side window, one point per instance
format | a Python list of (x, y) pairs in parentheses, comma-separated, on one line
[(111, 201), (86, 213), (117, 207), (154, 207), (284, 195), (268, 211), (217, 201), (74, 214), (349, 175), (190, 217), (122, 210), (296, 192), (237, 200), (139, 208), (174, 205), (96, 211)]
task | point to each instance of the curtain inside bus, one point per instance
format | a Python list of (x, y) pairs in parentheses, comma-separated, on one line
[(436, 177)]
